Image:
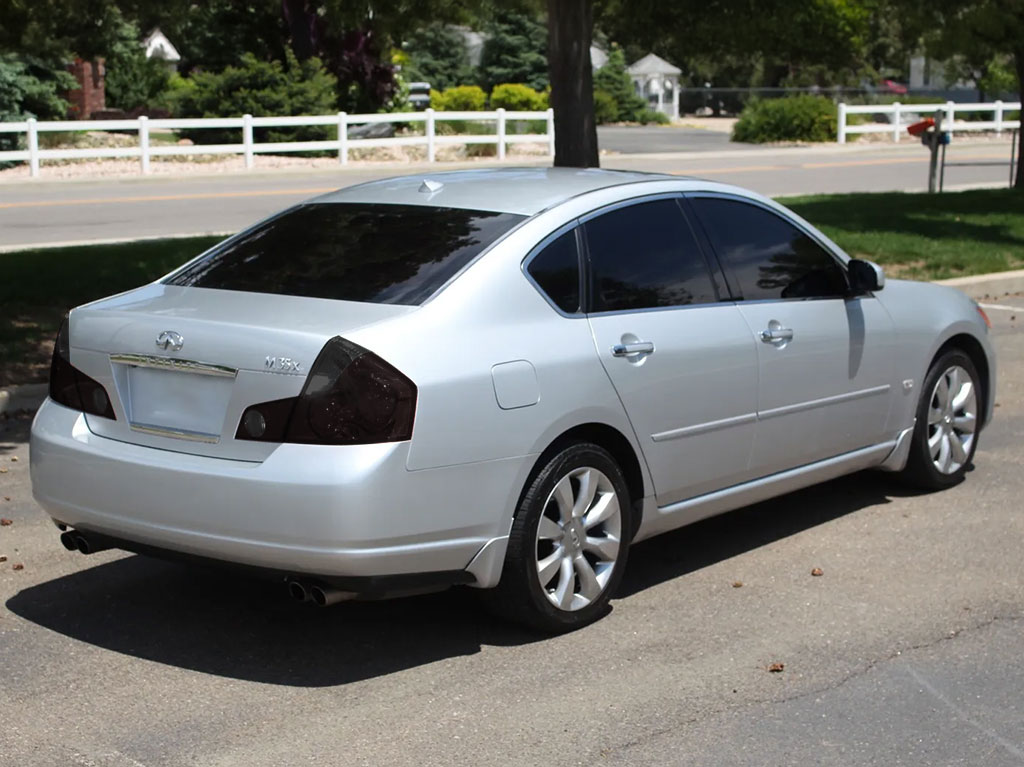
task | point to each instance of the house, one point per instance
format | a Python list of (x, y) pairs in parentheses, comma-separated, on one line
[(658, 82), (157, 46)]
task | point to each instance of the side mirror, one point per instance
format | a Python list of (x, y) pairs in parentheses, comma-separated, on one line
[(865, 276)]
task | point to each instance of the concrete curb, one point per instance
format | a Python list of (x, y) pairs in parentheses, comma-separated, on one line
[(22, 397), (983, 286)]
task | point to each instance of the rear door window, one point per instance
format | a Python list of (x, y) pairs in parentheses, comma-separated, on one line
[(376, 253), (768, 256), (645, 256)]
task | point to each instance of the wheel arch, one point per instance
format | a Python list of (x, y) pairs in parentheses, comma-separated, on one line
[(972, 347), (612, 440)]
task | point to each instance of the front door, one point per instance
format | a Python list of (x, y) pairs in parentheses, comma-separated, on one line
[(825, 358)]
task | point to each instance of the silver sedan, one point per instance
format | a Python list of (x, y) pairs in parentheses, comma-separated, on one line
[(498, 378)]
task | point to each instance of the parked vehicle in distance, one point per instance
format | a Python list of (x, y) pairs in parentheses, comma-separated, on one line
[(499, 378)]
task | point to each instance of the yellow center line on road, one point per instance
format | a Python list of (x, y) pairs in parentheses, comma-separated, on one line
[(166, 197)]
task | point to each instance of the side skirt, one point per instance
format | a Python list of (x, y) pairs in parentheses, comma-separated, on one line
[(693, 510)]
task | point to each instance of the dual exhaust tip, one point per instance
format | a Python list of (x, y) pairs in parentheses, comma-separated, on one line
[(73, 540), (320, 594)]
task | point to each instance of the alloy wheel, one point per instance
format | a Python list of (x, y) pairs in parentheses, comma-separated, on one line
[(578, 538), (952, 420)]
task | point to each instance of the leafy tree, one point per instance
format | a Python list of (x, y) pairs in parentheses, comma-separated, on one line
[(614, 80), (132, 80), (515, 51), (463, 98), (29, 89), (261, 88), (437, 55)]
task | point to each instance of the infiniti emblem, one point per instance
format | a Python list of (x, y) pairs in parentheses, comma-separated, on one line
[(168, 339)]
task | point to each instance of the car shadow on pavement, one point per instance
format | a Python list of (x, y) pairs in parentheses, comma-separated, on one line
[(225, 624), (719, 538)]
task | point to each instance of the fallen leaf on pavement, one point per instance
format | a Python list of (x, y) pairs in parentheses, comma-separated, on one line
[(14, 459), (5, 522), (3, 557), (4, 471), (7, 497), (17, 566), (775, 668), (737, 584), (817, 571)]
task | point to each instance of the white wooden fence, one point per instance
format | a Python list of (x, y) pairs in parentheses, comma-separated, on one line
[(247, 147), (897, 112)]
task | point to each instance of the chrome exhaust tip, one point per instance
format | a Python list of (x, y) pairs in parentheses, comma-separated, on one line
[(323, 595), (297, 590)]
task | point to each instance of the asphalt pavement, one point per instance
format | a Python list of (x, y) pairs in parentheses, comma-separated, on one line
[(47, 212), (906, 650)]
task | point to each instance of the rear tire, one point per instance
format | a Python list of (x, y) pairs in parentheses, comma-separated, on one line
[(568, 545), (948, 418)]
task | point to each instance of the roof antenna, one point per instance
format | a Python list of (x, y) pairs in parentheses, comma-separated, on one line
[(429, 187)]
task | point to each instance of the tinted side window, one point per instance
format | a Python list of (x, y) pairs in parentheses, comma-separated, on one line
[(384, 254), (556, 269), (769, 257), (644, 256)]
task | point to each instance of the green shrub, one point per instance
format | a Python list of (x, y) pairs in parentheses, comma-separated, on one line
[(262, 89), (614, 80), (606, 108), (517, 97), (795, 118), (464, 98), (646, 116)]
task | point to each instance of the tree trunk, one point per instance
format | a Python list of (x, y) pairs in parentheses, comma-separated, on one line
[(1018, 59), (570, 26)]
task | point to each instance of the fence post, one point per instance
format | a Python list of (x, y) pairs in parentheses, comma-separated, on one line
[(950, 116), (144, 143), (33, 148), (430, 134), (247, 140), (551, 131), (999, 117), (896, 121), (343, 138), (501, 133), (841, 124)]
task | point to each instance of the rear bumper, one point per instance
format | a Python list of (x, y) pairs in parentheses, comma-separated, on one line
[(351, 511)]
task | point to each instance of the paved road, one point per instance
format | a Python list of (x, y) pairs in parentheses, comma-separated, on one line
[(54, 212), (909, 650), (651, 139)]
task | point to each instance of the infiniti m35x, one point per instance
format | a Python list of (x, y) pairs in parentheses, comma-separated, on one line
[(499, 378)]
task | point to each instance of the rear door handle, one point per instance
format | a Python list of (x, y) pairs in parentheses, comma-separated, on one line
[(637, 347), (776, 335)]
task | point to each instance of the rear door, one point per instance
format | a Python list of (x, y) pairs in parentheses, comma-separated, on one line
[(683, 363), (825, 357)]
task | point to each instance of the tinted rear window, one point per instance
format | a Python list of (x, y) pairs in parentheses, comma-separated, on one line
[(385, 254)]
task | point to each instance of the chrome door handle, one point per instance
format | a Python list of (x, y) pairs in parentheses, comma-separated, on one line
[(637, 347), (776, 335)]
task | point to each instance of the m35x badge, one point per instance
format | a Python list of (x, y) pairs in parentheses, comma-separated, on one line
[(282, 365)]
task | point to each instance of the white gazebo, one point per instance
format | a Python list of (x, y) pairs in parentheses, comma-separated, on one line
[(157, 46), (658, 82)]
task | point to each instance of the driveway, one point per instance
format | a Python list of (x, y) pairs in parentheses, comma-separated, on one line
[(908, 649)]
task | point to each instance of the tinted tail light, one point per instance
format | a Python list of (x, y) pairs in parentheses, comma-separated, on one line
[(351, 397), (71, 387)]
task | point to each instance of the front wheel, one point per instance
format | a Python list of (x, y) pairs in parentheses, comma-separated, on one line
[(568, 544), (948, 417)]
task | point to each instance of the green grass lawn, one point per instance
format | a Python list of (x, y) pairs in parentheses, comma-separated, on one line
[(37, 287), (913, 235), (921, 236)]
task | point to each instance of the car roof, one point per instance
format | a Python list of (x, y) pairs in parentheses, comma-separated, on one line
[(523, 191)]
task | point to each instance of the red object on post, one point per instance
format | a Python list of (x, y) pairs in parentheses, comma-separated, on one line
[(919, 128)]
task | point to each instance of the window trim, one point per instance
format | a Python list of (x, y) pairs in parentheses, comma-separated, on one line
[(536, 250), (731, 279), (716, 275)]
